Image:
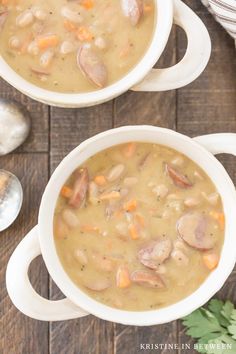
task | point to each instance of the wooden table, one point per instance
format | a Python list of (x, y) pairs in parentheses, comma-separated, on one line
[(207, 105)]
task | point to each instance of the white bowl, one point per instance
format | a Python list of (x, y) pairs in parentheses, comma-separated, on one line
[(188, 69), (40, 239)]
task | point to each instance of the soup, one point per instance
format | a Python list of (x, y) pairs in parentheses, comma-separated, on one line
[(139, 226), (75, 45)]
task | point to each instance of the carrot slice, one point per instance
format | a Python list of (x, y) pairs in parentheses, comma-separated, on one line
[(100, 180), (47, 41), (66, 192), (131, 205), (122, 278), (219, 217), (133, 232), (129, 150), (83, 34), (70, 26), (88, 4), (210, 260)]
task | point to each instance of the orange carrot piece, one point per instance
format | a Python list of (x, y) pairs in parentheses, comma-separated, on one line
[(133, 232), (122, 278), (70, 26), (129, 150), (210, 260), (83, 34), (219, 217), (47, 41), (88, 4), (100, 180), (131, 205), (66, 192), (111, 195)]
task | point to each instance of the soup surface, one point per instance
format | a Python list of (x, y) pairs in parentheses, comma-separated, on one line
[(139, 226), (75, 45)]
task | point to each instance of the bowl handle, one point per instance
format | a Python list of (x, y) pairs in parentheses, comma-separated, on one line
[(21, 292), (195, 59), (218, 143)]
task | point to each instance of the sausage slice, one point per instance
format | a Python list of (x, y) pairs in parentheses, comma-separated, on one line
[(178, 178), (196, 230), (92, 66), (155, 253), (80, 188)]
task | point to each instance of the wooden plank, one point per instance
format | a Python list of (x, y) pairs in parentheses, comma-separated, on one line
[(208, 105), (155, 109), (38, 139), (69, 127), (88, 335), (20, 334)]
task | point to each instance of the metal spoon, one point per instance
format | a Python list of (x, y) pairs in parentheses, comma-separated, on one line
[(11, 197), (14, 125)]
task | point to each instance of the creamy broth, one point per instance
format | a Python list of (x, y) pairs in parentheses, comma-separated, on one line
[(74, 46), (139, 226)]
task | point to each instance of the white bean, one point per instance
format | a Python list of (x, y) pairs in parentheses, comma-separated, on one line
[(14, 42), (81, 257), (115, 172), (46, 58), (176, 205), (122, 228), (100, 42), (38, 13), (160, 191), (71, 15), (33, 48), (25, 19), (70, 218), (67, 47), (191, 202)]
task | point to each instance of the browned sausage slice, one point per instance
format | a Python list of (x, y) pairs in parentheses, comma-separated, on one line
[(146, 278), (178, 178), (155, 253), (80, 188), (3, 18), (92, 66), (196, 230), (133, 9)]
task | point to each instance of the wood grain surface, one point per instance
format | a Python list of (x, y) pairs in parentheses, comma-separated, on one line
[(205, 106)]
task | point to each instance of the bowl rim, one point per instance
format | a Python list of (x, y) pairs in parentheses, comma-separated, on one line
[(163, 25), (212, 167)]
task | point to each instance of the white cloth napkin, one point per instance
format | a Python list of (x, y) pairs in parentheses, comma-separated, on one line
[(224, 12)]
